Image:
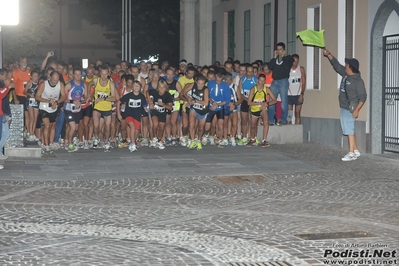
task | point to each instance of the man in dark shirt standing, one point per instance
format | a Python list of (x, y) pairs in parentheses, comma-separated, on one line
[(281, 65)]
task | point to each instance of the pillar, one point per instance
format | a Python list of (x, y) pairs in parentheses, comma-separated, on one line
[(189, 30), (205, 32)]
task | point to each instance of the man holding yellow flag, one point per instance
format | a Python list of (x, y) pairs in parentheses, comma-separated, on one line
[(352, 96)]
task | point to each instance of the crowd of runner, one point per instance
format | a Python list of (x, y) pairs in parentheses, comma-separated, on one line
[(151, 104)]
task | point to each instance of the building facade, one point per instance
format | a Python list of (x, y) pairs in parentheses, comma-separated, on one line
[(73, 38), (249, 29)]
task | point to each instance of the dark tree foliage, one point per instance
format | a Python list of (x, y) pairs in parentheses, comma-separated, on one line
[(155, 25), (35, 22)]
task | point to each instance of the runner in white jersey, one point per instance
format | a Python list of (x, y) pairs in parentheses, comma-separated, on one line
[(296, 90), (143, 71), (48, 95)]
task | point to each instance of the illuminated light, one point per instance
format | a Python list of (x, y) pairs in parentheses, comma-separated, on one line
[(10, 12)]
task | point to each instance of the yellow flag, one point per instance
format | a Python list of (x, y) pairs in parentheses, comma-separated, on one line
[(312, 37)]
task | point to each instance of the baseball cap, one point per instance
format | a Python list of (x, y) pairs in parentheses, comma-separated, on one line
[(352, 62), (183, 62)]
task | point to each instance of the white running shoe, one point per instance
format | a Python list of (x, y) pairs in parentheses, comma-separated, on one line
[(132, 147), (183, 141), (357, 153), (160, 145), (86, 145), (95, 144), (3, 157), (204, 140), (144, 142), (1, 167), (233, 142), (153, 143), (107, 147), (212, 140), (349, 157)]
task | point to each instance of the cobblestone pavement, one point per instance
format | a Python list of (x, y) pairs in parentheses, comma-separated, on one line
[(232, 206)]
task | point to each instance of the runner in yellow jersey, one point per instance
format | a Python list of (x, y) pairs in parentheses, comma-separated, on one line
[(188, 78), (103, 96), (259, 102)]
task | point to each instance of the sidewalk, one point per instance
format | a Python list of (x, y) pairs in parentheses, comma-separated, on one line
[(285, 204)]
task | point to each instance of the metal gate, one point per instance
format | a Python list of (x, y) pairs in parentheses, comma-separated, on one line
[(390, 105)]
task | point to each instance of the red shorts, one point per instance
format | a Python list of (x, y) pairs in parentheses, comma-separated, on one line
[(130, 119)]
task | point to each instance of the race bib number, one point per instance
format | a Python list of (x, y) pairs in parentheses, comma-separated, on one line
[(32, 102), (160, 109), (198, 106), (134, 103), (296, 80), (246, 93), (101, 95)]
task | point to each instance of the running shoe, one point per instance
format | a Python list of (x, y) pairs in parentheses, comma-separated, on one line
[(174, 142), (55, 146), (349, 157), (265, 144), (193, 145), (357, 153), (242, 142), (257, 142), (132, 147), (251, 143), (153, 143), (233, 142), (80, 145), (61, 142), (183, 141), (107, 147), (144, 142), (212, 141), (199, 146), (95, 144), (204, 140), (159, 145), (223, 143), (168, 142), (86, 145), (72, 147)]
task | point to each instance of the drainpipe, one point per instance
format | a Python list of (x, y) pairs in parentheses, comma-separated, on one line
[(275, 22)]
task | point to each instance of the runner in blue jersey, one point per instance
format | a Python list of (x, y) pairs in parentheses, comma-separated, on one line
[(246, 84), (77, 93)]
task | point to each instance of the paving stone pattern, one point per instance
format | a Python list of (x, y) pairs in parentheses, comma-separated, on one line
[(232, 206)]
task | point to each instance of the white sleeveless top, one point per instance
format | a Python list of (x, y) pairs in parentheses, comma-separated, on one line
[(295, 88), (50, 92)]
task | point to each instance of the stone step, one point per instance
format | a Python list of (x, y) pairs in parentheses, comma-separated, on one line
[(24, 152), (288, 134)]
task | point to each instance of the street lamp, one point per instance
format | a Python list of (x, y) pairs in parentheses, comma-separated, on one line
[(11, 17)]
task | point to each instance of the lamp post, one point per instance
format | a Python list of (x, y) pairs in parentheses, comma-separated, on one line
[(126, 30)]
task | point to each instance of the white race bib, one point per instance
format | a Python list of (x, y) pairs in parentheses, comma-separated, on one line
[(32, 102), (246, 93), (198, 106), (102, 95), (160, 109), (134, 103)]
